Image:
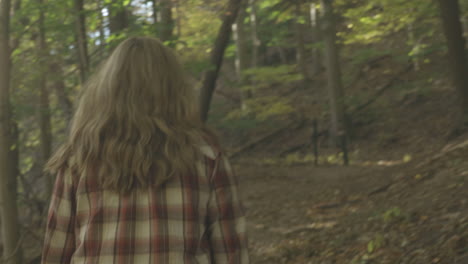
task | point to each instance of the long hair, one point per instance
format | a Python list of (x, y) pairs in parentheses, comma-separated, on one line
[(137, 123)]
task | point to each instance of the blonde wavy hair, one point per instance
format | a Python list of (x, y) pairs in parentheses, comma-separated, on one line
[(137, 122)]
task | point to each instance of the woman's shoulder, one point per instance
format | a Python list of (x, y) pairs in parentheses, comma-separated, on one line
[(209, 150), (210, 146)]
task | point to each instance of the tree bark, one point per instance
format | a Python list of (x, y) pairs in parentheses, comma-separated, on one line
[(241, 61), (335, 86), (119, 18), (156, 13), (216, 58), (178, 23), (43, 105), (450, 13), (254, 30), (166, 25), (102, 36), (14, 42), (301, 55), (8, 205), (314, 25), (59, 87), (413, 44), (81, 39)]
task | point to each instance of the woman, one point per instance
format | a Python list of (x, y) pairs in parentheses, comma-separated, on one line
[(137, 181)]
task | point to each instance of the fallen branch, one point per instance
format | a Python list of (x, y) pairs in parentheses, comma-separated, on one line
[(264, 138), (329, 205), (308, 227), (445, 151), (382, 89), (380, 189)]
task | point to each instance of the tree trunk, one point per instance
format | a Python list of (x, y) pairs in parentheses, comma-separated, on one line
[(255, 39), (59, 87), (102, 36), (119, 18), (43, 106), (166, 25), (301, 55), (216, 58), (316, 58), (414, 45), (81, 39), (335, 86), (178, 19), (101, 43), (24, 22), (156, 13), (241, 61), (450, 13), (8, 204)]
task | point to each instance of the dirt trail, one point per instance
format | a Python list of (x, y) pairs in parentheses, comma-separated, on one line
[(279, 201), (307, 214)]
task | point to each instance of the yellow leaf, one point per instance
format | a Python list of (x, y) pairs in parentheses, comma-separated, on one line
[(407, 158)]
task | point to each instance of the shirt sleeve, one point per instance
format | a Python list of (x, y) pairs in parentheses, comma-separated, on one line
[(226, 217), (59, 243)]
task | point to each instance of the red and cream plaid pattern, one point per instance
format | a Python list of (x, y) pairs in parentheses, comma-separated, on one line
[(191, 219)]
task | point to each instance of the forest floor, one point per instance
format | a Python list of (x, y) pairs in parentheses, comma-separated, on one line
[(358, 214), (416, 212), (403, 199)]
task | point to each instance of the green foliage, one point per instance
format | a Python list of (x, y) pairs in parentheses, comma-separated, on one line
[(240, 124), (264, 77), (200, 26), (375, 243), (373, 20), (392, 214)]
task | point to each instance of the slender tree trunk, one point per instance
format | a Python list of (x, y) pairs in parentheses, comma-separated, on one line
[(450, 13), (59, 87), (102, 47), (178, 19), (8, 204), (465, 26), (166, 25), (24, 22), (81, 39), (254, 28), (316, 58), (282, 55), (156, 13), (335, 86), (102, 36), (414, 43), (119, 18), (216, 58), (43, 106), (301, 55), (241, 61)]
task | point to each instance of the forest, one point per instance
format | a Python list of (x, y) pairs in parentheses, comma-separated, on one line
[(346, 121)]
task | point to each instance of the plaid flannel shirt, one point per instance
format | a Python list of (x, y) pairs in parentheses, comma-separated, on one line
[(192, 219)]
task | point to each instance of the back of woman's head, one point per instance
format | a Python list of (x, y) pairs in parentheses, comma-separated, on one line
[(136, 123)]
